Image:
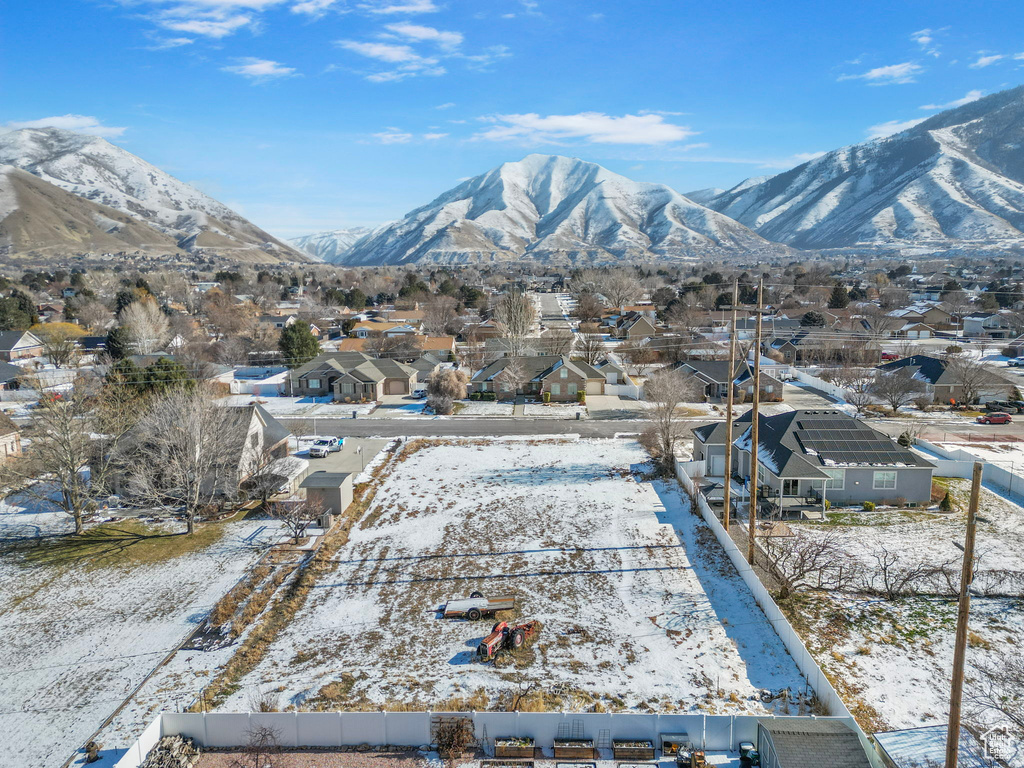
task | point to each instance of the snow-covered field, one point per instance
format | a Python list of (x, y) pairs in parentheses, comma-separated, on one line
[(1003, 454), (639, 606), (301, 406), (896, 656), (78, 637), (485, 408), (554, 411)]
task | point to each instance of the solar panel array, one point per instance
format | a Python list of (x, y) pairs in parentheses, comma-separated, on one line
[(846, 442)]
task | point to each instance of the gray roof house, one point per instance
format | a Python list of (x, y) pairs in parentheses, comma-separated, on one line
[(715, 376), (558, 375), (943, 384), (914, 747), (800, 742), (808, 456), (351, 376), (17, 345)]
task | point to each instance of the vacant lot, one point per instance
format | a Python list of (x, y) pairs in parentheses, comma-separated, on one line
[(640, 609), (896, 656), (85, 619)]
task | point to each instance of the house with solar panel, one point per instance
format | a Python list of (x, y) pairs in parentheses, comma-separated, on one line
[(808, 456)]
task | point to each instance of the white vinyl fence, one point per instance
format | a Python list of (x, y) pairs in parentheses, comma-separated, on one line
[(632, 391), (826, 693), (956, 461), (719, 733), (813, 381)]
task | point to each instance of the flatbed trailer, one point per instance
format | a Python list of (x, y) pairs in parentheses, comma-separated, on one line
[(476, 606)]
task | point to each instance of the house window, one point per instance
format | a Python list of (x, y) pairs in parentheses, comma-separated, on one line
[(790, 487), (884, 481), (770, 388), (556, 389), (563, 374), (762, 475), (313, 383), (348, 388), (505, 387), (572, 389), (836, 479)]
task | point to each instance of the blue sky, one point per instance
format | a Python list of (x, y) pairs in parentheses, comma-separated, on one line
[(314, 114)]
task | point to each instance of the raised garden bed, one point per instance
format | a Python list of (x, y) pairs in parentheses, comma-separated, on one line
[(574, 748), (508, 746), (506, 764), (637, 765), (633, 749)]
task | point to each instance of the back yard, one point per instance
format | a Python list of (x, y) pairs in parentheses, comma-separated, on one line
[(85, 619), (640, 608)]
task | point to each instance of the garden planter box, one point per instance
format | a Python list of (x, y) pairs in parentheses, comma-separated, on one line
[(513, 747), (632, 749), (505, 764), (582, 749)]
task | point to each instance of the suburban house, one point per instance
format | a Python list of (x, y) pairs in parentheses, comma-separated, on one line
[(563, 378), (351, 376), (923, 313), (815, 345), (10, 438), (374, 327), (993, 325), (634, 326), (943, 384), (914, 747), (10, 376), (714, 378), (808, 456), (440, 346), (275, 322), (18, 345)]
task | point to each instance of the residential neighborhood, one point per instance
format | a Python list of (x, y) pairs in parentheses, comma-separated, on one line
[(272, 447)]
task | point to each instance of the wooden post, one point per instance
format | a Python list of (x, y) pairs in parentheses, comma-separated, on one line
[(726, 491), (752, 512), (960, 648)]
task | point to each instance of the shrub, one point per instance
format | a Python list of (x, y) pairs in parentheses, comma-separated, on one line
[(946, 505), (1009, 352), (547, 397), (581, 397), (828, 505), (905, 440), (475, 396), (869, 506), (953, 349)]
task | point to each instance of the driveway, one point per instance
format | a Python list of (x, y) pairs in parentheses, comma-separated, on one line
[(805, 397), (398, 406), (613, 407), (349, 458)]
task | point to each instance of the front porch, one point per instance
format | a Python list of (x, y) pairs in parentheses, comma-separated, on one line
[(771, 503)]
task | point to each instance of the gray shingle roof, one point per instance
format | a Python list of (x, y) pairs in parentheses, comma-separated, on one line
[(802, 742)]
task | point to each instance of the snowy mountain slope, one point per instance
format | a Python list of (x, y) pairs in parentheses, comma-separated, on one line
[(549, 207), (703, 195), (38, 216), (330, 246), (956, 177), (96, 170)]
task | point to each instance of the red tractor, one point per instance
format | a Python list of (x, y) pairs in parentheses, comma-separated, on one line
[(506, 637)]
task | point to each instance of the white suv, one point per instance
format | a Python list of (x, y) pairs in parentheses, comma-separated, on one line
[(323, 446)]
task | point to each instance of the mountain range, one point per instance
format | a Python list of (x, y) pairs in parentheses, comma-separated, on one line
[(93, 170), (955, 178)]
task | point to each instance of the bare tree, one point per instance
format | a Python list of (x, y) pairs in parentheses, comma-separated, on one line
[(185, 452), (589, 344), (515, 315), (93, 315), (664, 392), (262, 748), (444, 387), (147, 326), (588, 307), (60, 342), (393, 346), (896, 388), (971, 375), (440, 317), (557, 341), (639, 355), (473, 354), (998, 687), (261, 473), (513, 376), (803, 561), (296, 515), (619, 287)]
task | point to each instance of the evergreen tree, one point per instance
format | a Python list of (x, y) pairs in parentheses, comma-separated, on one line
[(813, 319), (118, 343), (946, 505), (165, 374), (839, 299), (298, 344)]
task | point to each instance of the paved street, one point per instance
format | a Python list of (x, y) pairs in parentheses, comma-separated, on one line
[(464, 427)]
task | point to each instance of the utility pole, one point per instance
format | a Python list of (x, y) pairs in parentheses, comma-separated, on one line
[(960, 648), (726, 490), (752, 513)]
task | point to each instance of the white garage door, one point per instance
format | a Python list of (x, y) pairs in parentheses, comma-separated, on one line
[(595, 387)]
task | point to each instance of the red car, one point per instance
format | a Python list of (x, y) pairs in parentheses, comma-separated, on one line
[(995, 418), (889, 356)]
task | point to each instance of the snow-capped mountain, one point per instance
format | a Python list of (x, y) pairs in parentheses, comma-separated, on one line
[(94, 169), (331, 246), (957, 177), (38, 216), (548, 207)]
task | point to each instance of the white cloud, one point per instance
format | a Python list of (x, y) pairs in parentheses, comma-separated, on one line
[(388, 52), (312, 7), (894, 74), (594, 127), (446, 40), (259, 69), (925, 38), (401, 6), (446, 105), (893, 126), (480, 61), (986, 61), (76, 123), (207, 27), (434, 136), (171, 42), (967, 99), (393, 136)]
